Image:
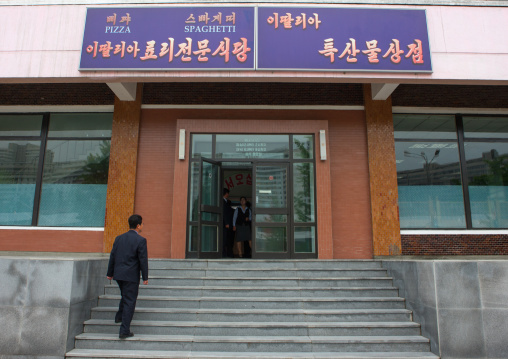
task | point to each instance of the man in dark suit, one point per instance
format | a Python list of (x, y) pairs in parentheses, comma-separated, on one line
[(128, 257), (227, 228)]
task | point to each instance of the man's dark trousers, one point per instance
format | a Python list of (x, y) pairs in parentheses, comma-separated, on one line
[(129, 292)]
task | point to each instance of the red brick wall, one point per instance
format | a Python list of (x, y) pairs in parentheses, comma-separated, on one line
[(162, 180), (154, 180), (352, 228), (472, 244), (51, 240)]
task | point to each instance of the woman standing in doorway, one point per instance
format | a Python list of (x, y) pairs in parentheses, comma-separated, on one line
[(241, 224)]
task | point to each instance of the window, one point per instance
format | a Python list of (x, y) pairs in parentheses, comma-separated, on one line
[(452, 171), (69, 187)]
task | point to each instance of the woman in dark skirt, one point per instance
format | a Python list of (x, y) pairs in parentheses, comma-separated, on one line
[(241, 224)]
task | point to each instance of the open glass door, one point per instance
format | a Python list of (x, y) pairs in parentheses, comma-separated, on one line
[(272, 222), (209, 210)]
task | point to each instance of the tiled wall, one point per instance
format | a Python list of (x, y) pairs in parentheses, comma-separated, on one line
[(122, 168), (349, 166), (383, 175)]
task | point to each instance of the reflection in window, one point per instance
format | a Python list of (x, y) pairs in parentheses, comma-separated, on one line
[(271, 186), (303, 147), (19, 161), (271, 239), (201, 146), (305, 239), (303, 192), (430, 127), (429, 181), (487, 169), (194, 191), (74, 181)]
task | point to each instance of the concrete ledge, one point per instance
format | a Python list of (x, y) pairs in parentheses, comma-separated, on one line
[(45, 299), (461, 303)]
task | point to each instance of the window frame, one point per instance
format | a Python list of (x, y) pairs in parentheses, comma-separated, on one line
[(461, 140), (43, 138)]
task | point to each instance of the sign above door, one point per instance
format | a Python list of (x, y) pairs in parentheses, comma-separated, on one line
[(256, 38)]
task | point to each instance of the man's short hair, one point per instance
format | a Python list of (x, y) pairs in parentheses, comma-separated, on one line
[(224, 191), (134, 220)]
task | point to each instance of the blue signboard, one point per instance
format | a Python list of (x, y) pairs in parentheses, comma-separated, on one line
[(343, 39), (166, 38), (256, 38)]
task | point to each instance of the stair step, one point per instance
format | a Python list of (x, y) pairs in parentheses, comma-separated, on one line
[(254, 343), (257, 263), (259, 302), (275, 282), (257, 328), (321, 315), (270, 273), (259, 291), (154, 354)]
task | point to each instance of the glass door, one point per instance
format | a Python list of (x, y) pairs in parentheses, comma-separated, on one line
[(271, 219), (209, 210)]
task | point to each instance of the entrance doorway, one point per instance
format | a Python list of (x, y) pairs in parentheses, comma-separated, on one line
[(277, 179)]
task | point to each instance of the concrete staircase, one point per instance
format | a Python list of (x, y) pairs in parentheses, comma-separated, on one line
[(258, 309)]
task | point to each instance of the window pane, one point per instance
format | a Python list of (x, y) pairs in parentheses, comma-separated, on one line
[(74, 183), (271, 186), (210, 217), (303, 192), (303, 147), (210, 194), (18, 172), (424, 126), (20, 125), (209, 238), (80, 125), (201, 146), (194, 192), (252, 146), (193, 238), (485, 127), (271, 218), (271, 239), (305, 239), (487, 169), (430, 190)]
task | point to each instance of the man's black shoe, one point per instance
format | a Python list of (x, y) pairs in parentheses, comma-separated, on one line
[(123, 336)]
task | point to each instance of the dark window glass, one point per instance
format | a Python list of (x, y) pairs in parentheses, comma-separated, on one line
[(20, 125), (80, 125), (74, 183), (430, 127), (305, 239), (201, 146), (429, 182), (303, 147), (487, 169), (19, 161), (194, 191), (485, 127), (252, 146)]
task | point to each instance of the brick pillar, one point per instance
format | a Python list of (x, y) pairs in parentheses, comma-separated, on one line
[(383, 175), (122, 167)]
